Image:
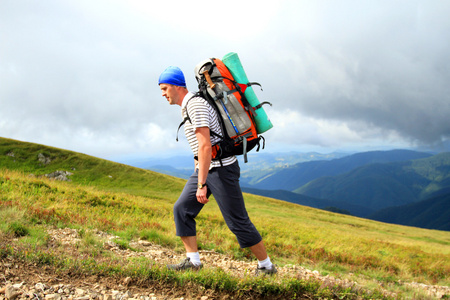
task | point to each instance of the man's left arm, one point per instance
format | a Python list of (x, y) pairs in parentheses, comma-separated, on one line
[(204, 161)]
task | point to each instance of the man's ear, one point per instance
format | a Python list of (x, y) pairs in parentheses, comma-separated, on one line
[(180, 87)]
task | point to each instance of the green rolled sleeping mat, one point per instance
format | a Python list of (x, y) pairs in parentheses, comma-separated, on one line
[(233, 63)]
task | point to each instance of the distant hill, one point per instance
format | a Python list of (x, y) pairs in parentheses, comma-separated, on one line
[(378, 186), (296, 176), (170, 163), (259, 164), (374, 186), (166, 169), (292, 197), (433, 213)]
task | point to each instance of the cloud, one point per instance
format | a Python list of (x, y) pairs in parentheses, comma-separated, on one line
[(385, 67), (82, 75), (293, 130)]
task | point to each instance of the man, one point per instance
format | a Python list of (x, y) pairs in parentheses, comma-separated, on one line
[(221, 178)]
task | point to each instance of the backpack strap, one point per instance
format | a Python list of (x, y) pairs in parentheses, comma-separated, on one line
[(182, 123), (261, 104), (187, 118), (244, 144)]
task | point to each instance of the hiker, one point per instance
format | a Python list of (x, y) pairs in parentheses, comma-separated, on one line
[(220, 178)]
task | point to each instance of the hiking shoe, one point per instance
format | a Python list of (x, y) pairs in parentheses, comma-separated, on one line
[(265, 271), (185, 264)]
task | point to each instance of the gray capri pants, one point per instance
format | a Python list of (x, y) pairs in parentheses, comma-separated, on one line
[(223, 183)]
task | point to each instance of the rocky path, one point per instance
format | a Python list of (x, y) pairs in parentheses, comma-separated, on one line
[(25, 281)]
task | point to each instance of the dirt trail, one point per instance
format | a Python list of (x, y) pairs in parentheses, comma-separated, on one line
[(26, 281)]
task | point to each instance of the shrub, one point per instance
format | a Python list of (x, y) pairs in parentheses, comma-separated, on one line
[(18, 229)]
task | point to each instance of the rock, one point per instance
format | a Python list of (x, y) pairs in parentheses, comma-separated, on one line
[(127, 281), (108, 245), (11, 292), (127, 295), (40, 286), (107, 297), (145, 243), (18, 285), (79, 292), (44, 159), (53, 297), (59, 175)]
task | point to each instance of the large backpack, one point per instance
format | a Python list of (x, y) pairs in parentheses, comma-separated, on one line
[(236, 115)]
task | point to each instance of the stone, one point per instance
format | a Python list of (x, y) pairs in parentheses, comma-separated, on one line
[(145, 243), (108, 297), (11, 292), (127, 281), (59, 175), (18, 285), (44, 159), (53, 297), (80, 292), (40, 286)]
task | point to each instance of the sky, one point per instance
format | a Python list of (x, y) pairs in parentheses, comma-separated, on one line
[(342, 75)]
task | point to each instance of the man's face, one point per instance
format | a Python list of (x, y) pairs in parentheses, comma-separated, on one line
[(169, 91)]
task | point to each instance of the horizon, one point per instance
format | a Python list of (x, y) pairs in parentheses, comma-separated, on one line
[(141, 157)]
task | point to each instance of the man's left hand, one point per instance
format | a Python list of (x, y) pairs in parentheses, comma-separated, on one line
[(201, 195)]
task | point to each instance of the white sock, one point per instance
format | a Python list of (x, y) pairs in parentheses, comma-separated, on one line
[(194, 257), (265, 263)]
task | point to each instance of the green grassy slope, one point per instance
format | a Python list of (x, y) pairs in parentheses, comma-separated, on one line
[(87, 170), (126, 200)]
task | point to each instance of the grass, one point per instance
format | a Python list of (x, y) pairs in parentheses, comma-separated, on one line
[(137, 203), (142, 270)]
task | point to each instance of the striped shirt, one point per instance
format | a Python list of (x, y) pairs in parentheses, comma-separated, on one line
[(202, 114)]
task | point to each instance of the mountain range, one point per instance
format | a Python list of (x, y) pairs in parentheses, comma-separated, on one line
[(380, 185), (294, 177)]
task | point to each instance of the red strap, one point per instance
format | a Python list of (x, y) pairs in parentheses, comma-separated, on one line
[(242, 86)]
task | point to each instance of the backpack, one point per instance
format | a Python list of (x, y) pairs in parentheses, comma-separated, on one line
[(236, 115)]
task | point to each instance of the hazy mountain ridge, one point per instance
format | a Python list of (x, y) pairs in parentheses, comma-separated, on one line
[(379, 186), (356, 210), (300, 174), (433, 213), (259, 165)]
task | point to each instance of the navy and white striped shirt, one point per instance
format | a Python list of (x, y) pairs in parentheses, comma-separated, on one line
[(201, 114)]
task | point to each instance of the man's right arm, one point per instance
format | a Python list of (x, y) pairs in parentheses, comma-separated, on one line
[(204, 161)]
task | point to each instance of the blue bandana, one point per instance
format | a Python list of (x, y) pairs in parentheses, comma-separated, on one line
[(172, 75)]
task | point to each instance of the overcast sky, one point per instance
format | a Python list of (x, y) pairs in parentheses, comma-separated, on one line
[(342, 75)]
